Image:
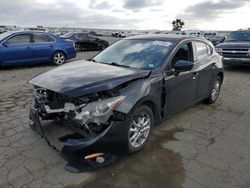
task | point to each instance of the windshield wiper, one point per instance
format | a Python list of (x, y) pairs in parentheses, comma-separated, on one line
[(112, 63), (118, 65)]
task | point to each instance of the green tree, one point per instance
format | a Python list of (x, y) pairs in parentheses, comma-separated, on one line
[(178, 24)]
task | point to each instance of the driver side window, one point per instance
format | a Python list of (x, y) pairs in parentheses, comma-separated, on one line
[(19, 39), (183, 53)]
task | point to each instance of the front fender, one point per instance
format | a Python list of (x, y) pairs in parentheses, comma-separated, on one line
[(148, 89)]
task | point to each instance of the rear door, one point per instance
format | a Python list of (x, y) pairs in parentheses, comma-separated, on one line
[(43, 47), (206, 65), (17, 50), (181, 88)]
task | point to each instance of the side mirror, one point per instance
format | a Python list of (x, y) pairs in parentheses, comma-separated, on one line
[(183, 66)]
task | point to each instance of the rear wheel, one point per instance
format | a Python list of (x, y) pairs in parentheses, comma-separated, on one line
[(139, 128), (215, 91), (59, 58)]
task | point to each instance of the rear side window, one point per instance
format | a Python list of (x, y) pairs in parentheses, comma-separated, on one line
[(201, 50), (19, 39), (42, 38), (209, 50)]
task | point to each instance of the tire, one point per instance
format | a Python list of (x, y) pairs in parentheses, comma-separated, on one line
[(59, 58), (214, 94), (138, 134)]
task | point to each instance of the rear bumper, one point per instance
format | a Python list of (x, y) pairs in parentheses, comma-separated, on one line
[(236, 61), (109, 141)]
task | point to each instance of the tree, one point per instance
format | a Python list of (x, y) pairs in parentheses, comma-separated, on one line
[(177, 24)]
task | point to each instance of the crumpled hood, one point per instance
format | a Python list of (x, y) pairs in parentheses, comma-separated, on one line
[(234, 45), (84, 77)]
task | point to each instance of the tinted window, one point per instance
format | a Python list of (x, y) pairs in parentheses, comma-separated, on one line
[(42, 38), (19, 39), (142, 54), (201, 50), (67, 35), (184, 53), (81, 36)]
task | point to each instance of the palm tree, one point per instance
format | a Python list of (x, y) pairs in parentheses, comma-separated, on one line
[(177, 24)]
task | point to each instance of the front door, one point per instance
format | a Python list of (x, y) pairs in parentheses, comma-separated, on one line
[(17, 49), (181, 88)]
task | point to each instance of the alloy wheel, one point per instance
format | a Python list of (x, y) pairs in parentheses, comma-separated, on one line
[(59, 58), (139, 130), (216, 90)]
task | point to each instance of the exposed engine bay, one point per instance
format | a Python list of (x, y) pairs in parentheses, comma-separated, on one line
[(90, 114)]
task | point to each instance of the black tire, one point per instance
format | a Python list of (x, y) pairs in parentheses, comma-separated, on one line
[(140, 112), (214, 94), (58, 58)]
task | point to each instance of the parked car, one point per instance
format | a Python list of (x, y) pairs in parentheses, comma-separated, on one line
[(118, 34), (236, 48), (95, 33), (215, 40), (113, 101), (30, 47), (86, 41)]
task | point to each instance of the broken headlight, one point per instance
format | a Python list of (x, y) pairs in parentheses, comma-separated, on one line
[(99, 111)]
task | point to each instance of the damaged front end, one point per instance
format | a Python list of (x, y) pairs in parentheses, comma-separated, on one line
[(90, 120)]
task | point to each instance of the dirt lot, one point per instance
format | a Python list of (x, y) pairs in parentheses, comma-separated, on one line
[(204, 146)]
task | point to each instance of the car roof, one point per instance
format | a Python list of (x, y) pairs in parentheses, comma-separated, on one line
[(164, 37), (245, 30), (26, 31)]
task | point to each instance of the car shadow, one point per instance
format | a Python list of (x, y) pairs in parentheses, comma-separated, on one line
[(240, 68), (18, 67)]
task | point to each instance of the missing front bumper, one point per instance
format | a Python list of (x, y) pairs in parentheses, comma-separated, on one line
[(73, 146)]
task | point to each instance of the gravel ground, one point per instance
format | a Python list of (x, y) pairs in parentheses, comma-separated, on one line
[(203, 146)]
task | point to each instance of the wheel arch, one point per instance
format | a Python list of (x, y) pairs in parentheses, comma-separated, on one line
[(60, 50), (152, 105), (221, 75)]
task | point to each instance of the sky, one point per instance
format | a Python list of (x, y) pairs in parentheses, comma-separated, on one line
[(127, 14)]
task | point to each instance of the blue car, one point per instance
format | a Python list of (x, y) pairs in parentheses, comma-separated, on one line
[(29, 47)]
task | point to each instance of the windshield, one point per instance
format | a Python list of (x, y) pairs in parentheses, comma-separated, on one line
[(4, 35), (238, 36), (142, 54), (67, 35)]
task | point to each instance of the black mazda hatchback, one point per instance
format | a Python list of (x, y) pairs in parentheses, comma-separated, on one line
[(112, 102)]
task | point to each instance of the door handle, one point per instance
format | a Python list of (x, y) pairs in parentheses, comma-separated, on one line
[(29, 47), (195, 75)]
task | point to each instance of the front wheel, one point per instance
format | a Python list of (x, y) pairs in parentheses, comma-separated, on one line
[(139, 128), (59, 58), (215, 91)]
